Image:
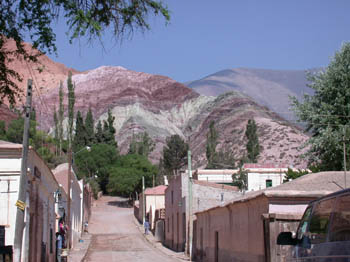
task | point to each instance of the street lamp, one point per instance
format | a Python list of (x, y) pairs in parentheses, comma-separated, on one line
[(70, 158)]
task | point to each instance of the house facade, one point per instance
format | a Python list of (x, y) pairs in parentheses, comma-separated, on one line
[(41, 209), (77, 205), (246, 229), (219, 176), (261, 176), (204, 195), (154, 200)]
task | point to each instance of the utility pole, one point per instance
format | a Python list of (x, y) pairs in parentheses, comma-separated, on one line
[(344, 153), (23, 179), (143, 201), (69, 177), (190, 228)]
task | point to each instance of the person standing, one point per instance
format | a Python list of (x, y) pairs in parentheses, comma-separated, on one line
[(59, 241), (146, 226)]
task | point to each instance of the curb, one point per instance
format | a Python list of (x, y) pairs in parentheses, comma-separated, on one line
[(157, 247)]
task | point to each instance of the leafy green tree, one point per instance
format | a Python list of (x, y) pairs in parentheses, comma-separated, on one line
[(162, 172), (2, 130), (108, 130), (292, 174), (15, 130), (175, 154), (90, 18), (80, 138), (126, 176), (141, 144), (253, 147), (99, 133), (71, 103), (326, 113), (212, 142), (89, 128), (55, 121), (96, 163), (240, 179), (60, 117)]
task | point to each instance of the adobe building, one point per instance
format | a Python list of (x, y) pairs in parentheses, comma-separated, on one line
[(261, 176), (40, 213), (204, 195), (219, 176), (246, 229), (155, 200), (77, 206)]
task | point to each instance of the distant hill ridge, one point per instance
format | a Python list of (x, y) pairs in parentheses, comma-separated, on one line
[(270, 88)]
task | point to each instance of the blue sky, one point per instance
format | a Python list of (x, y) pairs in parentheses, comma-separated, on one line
[(206, 36)]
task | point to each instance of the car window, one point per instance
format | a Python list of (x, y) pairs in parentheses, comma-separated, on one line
[(320, 220), (340, 227), (304, 223)]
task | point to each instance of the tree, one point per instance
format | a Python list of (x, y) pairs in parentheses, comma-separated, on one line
[(141, 144), (55, 121), (175, 153), (80, 133), (2, 130), (60, 117), (89, 128), (15, 129), (108, 130), (20, 19), (212, 142), (240, 179), (126, 175), (97, 162), (71, 102), (326, 113), (98, 138), (253, 147), (291, 174)]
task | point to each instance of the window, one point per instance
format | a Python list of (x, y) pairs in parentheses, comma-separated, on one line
[(268, 183), (172, 197), (320, 220), (2, 236), (168, 225), (304, 223), (340, 227), (216, 246), (51, 241)]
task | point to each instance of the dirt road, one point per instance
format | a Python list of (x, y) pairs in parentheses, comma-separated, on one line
[(115, 237)]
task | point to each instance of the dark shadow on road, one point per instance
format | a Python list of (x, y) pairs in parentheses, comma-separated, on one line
[(121, 203)]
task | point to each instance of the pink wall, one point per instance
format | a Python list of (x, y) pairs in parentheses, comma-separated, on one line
[(239, 229)]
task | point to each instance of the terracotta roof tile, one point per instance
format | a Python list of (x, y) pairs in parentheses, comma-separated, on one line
[(158, 190)]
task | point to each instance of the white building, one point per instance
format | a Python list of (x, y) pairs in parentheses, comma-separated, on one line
[(219, 176), (61, 174), (40, 214), (261, 176)]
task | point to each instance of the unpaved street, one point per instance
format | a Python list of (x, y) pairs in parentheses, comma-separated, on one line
[(115, 237)]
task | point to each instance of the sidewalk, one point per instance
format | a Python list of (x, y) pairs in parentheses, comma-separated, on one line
[(158, 245), (78, 253)]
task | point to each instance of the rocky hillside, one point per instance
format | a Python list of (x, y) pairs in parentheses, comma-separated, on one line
[(162, 107), (46, 74), (270, 88), (279, 140)]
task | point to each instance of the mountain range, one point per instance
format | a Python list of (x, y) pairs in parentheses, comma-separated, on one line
[(163, 107), (270, 88)]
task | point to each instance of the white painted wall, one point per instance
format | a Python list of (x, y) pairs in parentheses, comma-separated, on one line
[(257, 180)]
